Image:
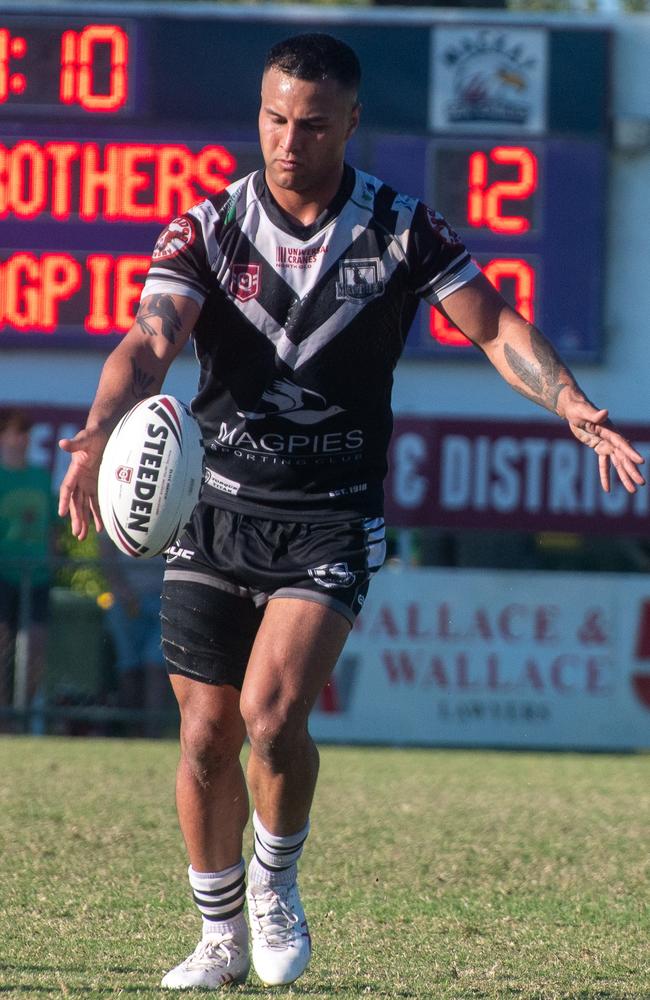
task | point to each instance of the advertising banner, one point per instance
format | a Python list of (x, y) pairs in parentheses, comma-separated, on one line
[(513, 475), (495, 659)]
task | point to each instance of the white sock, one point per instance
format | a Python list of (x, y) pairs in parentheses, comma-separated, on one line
[(275, 858), (220, 897)]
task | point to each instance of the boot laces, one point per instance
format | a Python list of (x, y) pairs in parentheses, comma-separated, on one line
[(214, 949), (274, 917)]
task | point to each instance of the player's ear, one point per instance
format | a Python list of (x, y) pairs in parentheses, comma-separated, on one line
[(354, 120)]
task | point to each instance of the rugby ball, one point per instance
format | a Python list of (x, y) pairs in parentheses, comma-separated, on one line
[(150, 476)]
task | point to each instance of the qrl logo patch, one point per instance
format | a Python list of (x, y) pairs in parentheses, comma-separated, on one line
[(178, 235), (359, 280), (245, 281), (124, 473)]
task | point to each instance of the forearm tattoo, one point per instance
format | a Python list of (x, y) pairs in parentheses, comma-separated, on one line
[(545, 380), (159, 307), (140, 381)]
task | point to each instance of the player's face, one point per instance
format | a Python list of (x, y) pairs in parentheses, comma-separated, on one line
[(14, 442), (304, 128)]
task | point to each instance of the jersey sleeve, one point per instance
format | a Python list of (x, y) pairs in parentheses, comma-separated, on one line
[(179, 263), (439, 263)]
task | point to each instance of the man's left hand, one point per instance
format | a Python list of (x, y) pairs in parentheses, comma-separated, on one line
[(593, 428)]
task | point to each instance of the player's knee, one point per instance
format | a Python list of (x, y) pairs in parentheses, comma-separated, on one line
[(209, 747), (275, 733)]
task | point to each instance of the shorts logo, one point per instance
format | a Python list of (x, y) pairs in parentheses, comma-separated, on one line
[(178, 235), (124, 473), (359, 279), (245, 281), (332, 575), (177, 552)]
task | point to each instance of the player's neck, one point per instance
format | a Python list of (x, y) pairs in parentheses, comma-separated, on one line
[(305, 206)]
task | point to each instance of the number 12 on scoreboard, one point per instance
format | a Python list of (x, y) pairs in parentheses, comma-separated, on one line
[(491, 193), (485, 201)]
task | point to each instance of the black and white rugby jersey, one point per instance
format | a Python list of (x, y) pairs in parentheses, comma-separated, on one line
[(299, 333)]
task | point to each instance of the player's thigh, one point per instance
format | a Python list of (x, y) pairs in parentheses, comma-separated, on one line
[(295, 651), (207, 632)]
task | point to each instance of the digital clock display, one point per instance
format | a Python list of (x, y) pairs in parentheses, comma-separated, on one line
[(71, 66), (98, 151)]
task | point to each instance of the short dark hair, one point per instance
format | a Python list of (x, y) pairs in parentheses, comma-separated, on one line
[(316, 56)]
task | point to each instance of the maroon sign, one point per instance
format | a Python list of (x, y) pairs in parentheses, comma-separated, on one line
[(523, 475)]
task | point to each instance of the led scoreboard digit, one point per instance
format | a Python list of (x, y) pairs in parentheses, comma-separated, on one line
[(532, 215), (77, 66), (102, 143)]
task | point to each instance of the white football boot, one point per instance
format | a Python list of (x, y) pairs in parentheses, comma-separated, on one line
[(218, 959), (279, 932)]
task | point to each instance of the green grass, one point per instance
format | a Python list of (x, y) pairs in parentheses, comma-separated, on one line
[(428, 874)]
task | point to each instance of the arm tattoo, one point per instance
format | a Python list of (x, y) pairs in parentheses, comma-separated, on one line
[(141, 382), (161, 307), (543, 380)]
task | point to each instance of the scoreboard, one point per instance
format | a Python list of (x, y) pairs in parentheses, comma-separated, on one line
[(110, 126), (534, 217)]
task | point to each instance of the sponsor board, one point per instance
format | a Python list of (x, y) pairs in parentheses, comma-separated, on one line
[(495, 658), (513, 475), (488, 79)]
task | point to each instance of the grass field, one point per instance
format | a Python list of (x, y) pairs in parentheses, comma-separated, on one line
[(428, 874)]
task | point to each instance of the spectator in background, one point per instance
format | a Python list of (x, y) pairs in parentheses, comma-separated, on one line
[(27, 518), (133, 621)]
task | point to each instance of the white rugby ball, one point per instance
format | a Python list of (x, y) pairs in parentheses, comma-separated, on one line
[(150, 476)]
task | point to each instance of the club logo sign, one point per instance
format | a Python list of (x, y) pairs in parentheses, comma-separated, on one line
[(245, 281), (124, 473), (359, 279), (485, 79)]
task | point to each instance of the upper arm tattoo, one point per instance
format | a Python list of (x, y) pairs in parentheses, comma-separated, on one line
[(159, 306), (544, 380)]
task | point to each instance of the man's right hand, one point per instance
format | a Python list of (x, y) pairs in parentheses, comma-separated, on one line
[(160, 330), (78, 493)]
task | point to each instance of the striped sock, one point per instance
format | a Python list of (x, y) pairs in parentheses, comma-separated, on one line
[(275, 858), (220, 897)]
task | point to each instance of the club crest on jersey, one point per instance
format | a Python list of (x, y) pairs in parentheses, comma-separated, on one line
[(245, 281), (359, 279), (178, 235), (442, 228)]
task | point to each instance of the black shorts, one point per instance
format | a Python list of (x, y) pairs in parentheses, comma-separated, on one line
[(226, 567)]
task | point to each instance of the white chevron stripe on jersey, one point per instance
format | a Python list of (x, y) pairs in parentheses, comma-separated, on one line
[(353, 220)]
